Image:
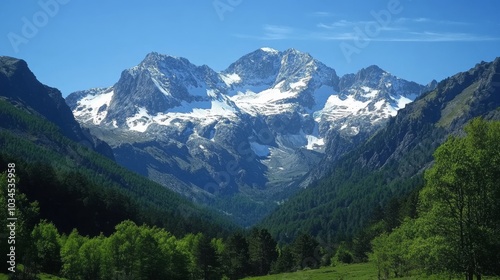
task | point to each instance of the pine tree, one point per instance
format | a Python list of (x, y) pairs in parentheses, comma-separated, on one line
[(206, 257), (262, 251), (304, 251), (237, 257)]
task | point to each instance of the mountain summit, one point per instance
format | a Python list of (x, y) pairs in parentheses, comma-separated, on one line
[(246, 134)]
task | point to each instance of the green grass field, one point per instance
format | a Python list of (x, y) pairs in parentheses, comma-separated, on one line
[(353, 271), (362, 271)]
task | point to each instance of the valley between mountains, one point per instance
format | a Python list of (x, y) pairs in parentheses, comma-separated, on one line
[(245, 139)]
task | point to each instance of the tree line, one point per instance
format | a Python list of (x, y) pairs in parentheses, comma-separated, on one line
[(149, 252), (133, 251)]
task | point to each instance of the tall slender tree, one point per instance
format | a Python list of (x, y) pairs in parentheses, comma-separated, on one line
[(262, 250), (236, 256), (72, 267), (305, 251), (206, 257)]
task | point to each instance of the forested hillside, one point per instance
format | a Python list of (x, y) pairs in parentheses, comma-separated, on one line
[(75, 188), (78, 188), (391, 163)]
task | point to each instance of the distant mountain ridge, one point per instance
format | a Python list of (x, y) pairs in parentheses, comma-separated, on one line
[(246, 134)]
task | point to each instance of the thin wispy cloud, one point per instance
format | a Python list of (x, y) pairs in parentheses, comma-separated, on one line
[(277, 32), (340, 24), (271, 32), (422, 20), (345, 24), (427, 36), (397, 24), (404, 29), (321, 14)]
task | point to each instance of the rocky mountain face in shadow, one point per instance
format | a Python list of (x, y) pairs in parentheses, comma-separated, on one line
[(20, 87)]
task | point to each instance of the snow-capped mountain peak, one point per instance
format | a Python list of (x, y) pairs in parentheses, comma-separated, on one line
[(255, 71), (159, 85), (372, 95), (271, 114), (269, 50), (269, 81)]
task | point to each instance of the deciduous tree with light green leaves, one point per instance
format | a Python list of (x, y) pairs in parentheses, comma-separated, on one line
[(391, 251), (72, 267), (47, 247), (460, 201), (458, 225)]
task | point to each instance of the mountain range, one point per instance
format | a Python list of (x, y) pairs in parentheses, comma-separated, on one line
[(240, 140)]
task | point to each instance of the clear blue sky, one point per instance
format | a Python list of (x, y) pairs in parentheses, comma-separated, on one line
[(79, 44)]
